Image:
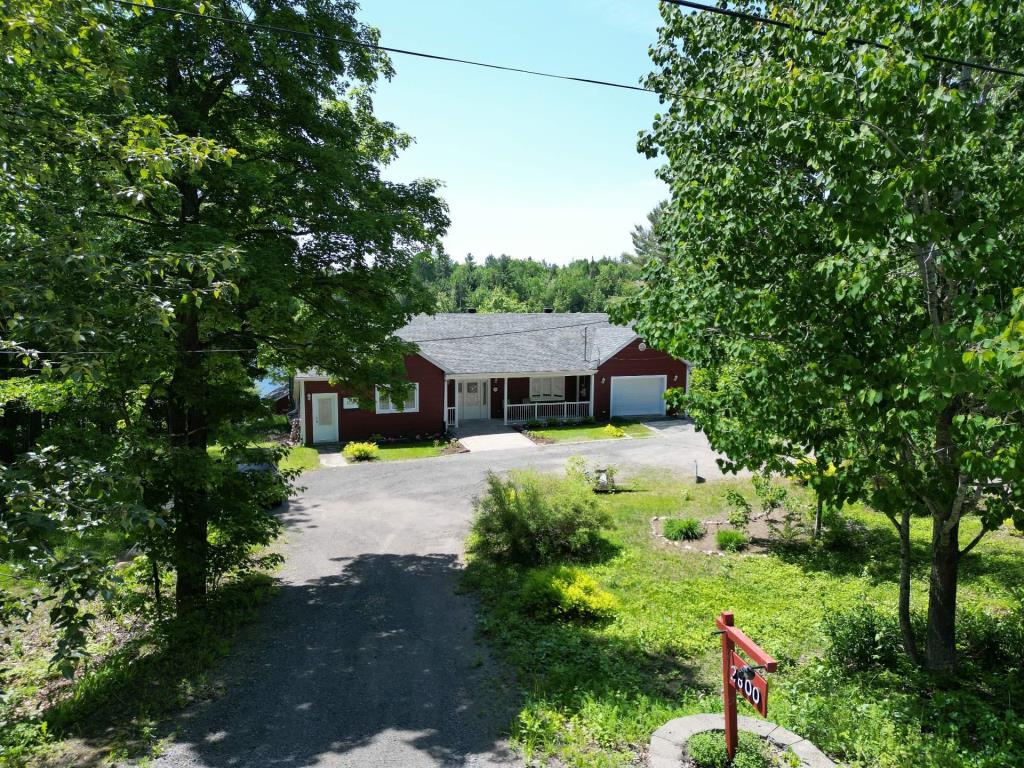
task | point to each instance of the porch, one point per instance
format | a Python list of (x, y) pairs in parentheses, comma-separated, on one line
[(511, 400)]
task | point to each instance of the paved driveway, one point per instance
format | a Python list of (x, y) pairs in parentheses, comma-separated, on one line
[(367, 656)]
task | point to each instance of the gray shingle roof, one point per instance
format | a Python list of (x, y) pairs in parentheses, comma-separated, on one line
[(516, 343)]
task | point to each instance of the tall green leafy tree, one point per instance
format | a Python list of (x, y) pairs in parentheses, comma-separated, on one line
[(222, 210), (72, 141), (846, 259), (304, 250)]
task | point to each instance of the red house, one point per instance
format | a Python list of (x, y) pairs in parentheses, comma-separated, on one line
[(514, 368)]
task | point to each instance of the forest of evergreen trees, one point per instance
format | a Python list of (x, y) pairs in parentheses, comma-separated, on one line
[(504, 284)]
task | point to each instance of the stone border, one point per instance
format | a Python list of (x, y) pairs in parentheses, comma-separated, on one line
[(667, 743)]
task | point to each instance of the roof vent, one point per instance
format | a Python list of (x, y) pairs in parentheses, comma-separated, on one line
[(548, 310)]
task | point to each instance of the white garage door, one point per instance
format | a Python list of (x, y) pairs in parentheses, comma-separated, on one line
[(638, 395)]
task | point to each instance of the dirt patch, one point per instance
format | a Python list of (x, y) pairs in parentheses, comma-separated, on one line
[(453, 447), (759, 533)]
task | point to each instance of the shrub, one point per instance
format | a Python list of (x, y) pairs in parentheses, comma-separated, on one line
[(731, 541), (533, 424), (361, 451), (739, 509), (862, 637), (533, 519), (989, 640), (707, 750), (566, 593), (771, 495), (688, 528), (840, 535), (610, 430)]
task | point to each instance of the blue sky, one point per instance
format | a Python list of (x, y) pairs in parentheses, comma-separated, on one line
[(531, 167)]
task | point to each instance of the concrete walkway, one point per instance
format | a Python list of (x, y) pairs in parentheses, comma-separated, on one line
[(491, 435), (368, 656)]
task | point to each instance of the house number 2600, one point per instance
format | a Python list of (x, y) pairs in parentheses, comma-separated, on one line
[(746, 685)]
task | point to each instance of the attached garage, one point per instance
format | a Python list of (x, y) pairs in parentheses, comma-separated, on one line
[(638, 395)]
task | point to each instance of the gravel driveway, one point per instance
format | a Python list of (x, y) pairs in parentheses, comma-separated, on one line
[(367, 656)]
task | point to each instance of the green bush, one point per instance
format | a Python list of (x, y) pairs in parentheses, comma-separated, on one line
[(533, 424), (707, 750), (552, 422), (565, 593), (731, 541), (533, 519), (610, 430), (739, 508), (361, 451), (862, 637), (688, 528), (988, 640)]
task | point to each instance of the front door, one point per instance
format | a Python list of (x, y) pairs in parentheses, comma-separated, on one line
[(473, 400), (325, 418)]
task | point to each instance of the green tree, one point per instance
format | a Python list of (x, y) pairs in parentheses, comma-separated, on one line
[(241, 222), (499, 300), (649, 239), (847, 254)]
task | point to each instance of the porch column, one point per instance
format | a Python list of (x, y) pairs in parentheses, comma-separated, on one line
[(504, 405), (591, 414), (456, 404)]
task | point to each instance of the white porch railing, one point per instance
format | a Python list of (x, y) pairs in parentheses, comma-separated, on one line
[(451, 416), (524, 412)]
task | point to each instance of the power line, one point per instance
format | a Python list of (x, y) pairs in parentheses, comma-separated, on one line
[(376, 47), (758, 19), (218, 350), (436, 57)]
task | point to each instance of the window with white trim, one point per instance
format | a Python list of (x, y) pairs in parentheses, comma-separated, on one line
[(412, 401), (547, 388), (350, 403)]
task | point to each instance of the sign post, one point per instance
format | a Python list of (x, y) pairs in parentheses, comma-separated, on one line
[(739, 675)]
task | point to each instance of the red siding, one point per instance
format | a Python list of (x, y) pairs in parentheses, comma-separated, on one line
[(497, 398), (359, 424), (518, 390), (630, 361)]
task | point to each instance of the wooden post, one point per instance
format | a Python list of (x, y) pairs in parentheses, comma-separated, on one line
[(504, 405), (728, 692)]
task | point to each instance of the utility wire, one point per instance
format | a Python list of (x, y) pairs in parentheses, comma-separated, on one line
[(376, 47), (436, 57), (73, 353), (758, 19)]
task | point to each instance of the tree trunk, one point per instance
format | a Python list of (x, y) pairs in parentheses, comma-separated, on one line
[(187, 425), (903, 603), (941, 648), (817, 520)]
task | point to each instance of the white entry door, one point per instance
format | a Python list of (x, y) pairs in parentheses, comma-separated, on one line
[(473, 403), (325, 418), (638, 395)]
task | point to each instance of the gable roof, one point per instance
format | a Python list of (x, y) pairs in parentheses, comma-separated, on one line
[(465, 343)]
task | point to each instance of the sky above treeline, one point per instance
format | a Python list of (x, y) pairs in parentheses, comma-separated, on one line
[(533, 168)]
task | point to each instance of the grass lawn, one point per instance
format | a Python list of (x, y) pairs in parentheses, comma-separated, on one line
[(298, 456), (575, 433), (413, 449), (593, 693), (423, 449)]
